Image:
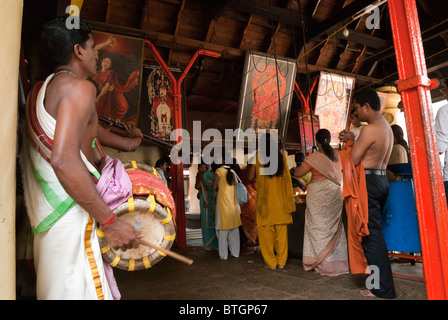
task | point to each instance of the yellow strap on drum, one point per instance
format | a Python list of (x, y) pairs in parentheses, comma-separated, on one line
[(151, 219)]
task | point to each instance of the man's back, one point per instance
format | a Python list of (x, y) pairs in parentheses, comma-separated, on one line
[(374, 145)]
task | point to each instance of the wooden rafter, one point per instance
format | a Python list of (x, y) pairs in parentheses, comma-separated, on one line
[(176, 30)]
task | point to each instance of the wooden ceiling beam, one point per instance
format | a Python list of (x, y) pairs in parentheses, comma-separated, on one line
[(108, 11), (221, 7), (143, 13), (427, 34), (244, 34), (359, 60), (270, 12), (432, 15), (272, 45), (176, 30), (316, 30), (363, 39), (165, 41), (311, 7)]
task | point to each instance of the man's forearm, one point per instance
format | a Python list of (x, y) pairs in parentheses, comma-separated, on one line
[(78, 183)]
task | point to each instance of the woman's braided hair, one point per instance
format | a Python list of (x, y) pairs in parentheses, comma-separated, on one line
[(323, 136)]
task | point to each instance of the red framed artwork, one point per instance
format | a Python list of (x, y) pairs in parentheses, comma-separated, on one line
[(118, 76), (266, 93), (332, 102), (308, 130), (157, 102)]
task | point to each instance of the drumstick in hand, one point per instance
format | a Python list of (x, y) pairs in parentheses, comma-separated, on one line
[(168, 252)]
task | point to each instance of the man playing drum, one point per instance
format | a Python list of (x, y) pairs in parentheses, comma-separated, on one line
[(62, 201)]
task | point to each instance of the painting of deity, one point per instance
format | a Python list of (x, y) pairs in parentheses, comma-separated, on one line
[(157, 103), (332, 102), (266, 93)]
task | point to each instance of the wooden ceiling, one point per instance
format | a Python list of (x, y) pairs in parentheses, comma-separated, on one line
[(308, 31)]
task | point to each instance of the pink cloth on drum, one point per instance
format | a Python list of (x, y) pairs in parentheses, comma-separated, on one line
[(115, 187)]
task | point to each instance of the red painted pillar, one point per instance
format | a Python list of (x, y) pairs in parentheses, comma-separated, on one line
[(178, 172), (414, 86)]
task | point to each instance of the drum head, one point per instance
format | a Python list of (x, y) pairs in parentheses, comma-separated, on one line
[(149, 218)]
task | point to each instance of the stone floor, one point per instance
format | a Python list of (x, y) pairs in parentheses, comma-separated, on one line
[(246, 278)]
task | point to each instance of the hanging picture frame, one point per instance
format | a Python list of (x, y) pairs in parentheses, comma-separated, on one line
[(308, 130), (118, 77), (266, 94), (157, 108), (332, 103)]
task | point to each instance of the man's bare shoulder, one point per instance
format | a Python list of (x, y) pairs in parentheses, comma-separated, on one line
[(78, 88), (79, 93), (70, 88), (367, 134), (376, 129)]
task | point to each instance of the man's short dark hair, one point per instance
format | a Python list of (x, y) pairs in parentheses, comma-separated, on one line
[(58, 41), (370, 96)]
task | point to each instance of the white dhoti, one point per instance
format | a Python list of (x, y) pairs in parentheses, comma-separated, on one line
[(67, 254), (68, 260)]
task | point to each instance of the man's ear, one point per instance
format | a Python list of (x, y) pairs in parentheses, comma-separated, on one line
[(78, 51), (367, 106)]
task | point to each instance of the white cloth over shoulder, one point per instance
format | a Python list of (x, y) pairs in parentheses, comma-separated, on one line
[(67, 254)]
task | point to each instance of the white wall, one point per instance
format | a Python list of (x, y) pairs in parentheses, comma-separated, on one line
[(10, 30)]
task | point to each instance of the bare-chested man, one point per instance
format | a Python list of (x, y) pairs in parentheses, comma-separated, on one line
[(63, 203), (373, 149)]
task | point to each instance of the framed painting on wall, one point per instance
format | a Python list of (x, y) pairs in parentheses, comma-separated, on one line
[(332, 103), (266, 93), (118, 76), (157, 102), (308, 130)]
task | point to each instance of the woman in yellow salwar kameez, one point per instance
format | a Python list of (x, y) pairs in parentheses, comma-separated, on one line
[(275, 203), (227, 213)]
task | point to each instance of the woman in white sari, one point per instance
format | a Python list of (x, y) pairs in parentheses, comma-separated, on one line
[(324, 243)]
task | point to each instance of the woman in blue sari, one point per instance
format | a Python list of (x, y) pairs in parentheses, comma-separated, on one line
[(207, 200)]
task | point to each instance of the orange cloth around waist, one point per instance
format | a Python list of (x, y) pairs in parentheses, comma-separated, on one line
[(354, 192)]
